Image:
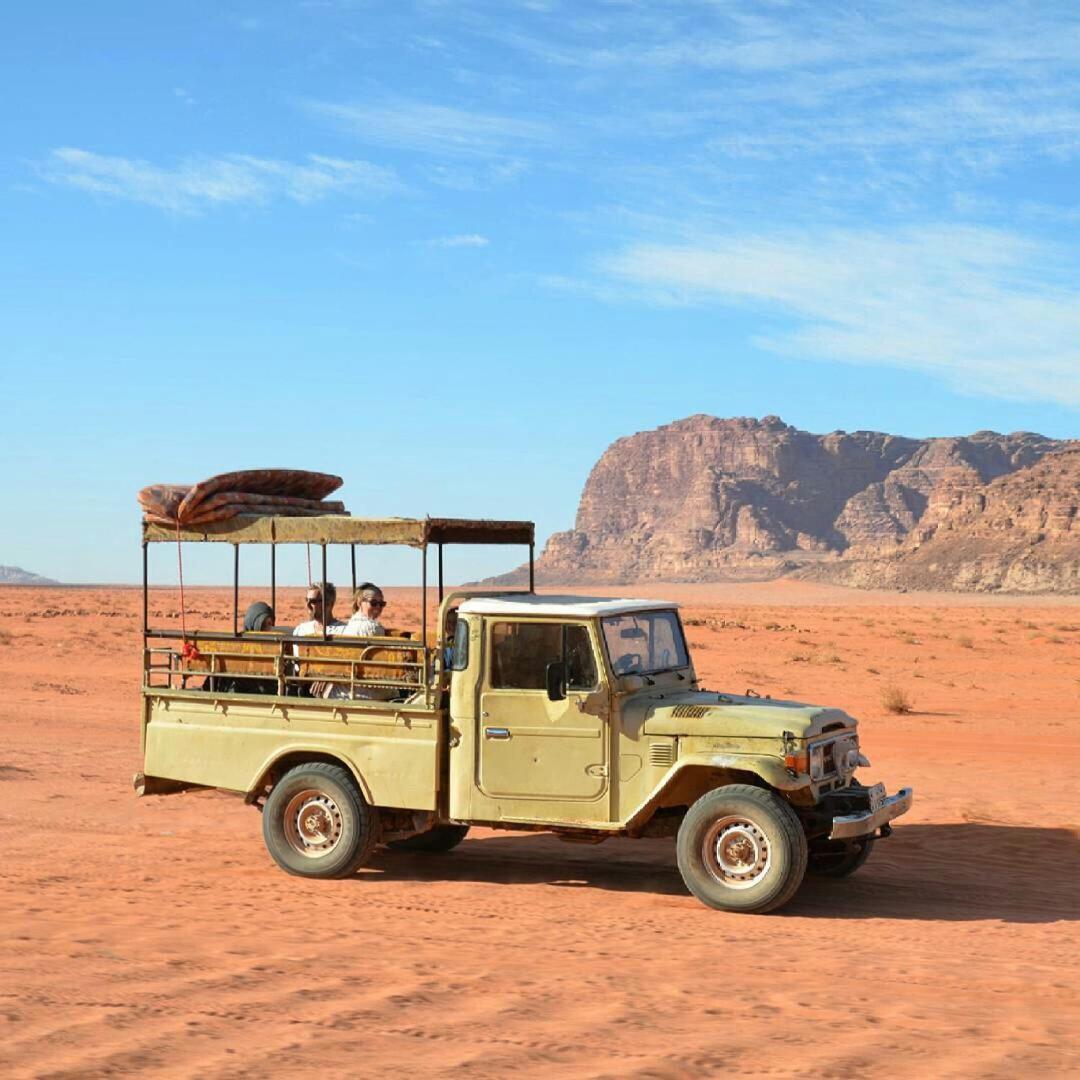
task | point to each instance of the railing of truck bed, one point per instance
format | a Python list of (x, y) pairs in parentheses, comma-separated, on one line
[(380, 668)]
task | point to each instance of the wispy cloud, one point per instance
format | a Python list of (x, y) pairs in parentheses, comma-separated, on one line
[(414, 125), (971, 86), (983, 309), (462, 240), (198, 183)]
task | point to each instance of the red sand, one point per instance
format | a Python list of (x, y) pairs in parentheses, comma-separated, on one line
[(156, 937)]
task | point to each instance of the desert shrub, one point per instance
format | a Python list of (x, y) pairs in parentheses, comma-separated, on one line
[(896, 700), (965, 642), (6, 636)]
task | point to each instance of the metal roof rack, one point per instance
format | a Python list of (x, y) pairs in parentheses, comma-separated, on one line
[(340, 529)]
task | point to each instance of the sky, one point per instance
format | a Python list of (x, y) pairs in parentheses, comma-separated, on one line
[(452, 249)]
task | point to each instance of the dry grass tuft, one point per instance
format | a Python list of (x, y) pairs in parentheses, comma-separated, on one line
[(896, 700), (965, 642)]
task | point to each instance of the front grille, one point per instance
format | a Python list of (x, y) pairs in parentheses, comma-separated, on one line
[(834, 755), (662, 754)]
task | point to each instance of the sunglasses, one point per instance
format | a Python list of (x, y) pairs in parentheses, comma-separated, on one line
[(375, 603)]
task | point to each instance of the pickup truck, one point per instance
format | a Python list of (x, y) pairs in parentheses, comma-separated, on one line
[(576, 715)]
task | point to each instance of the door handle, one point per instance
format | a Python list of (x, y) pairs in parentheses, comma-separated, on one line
[(496, 733)]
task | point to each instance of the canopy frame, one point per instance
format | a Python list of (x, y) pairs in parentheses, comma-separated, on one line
[(324, 530)]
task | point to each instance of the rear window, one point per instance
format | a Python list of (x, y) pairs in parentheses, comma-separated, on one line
[(459, 655)]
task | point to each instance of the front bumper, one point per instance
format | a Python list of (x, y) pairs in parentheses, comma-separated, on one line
[(869, 821)]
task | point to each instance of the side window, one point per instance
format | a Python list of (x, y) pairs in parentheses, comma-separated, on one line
[(521, 652), (459, 655)]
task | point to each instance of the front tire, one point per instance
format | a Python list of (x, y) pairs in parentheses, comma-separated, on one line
[(440, 839), (841, 862), (316, 823), (741, 848)]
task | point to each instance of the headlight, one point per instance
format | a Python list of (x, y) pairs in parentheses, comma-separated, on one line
[(817, 762)]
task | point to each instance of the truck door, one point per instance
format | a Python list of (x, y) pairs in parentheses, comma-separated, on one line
[(529, 746)]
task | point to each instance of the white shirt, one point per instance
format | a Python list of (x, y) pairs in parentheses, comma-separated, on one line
[(313, 628), (363, 626)]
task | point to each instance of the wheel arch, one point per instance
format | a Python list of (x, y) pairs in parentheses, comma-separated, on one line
[(277, 765), (689, 779)]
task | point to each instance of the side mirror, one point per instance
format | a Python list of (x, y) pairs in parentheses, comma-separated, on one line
[(556, 680)]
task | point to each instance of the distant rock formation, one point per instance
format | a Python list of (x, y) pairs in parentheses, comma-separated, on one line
[(14, 575), (708, 499), (1019, 533)]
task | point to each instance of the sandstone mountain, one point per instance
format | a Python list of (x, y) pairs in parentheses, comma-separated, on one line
[(708, 499)]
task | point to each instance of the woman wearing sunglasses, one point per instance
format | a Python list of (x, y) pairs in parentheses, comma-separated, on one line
[(368, 606)]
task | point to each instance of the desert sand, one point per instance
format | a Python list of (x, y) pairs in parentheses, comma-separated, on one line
[(156, 937)]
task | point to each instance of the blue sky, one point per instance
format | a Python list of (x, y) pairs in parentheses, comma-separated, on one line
[(452, 250)]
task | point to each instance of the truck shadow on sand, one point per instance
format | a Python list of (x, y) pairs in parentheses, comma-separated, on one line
[(953, 872)]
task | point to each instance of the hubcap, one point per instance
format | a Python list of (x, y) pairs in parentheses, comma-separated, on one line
[(736, 852), (312, 823)]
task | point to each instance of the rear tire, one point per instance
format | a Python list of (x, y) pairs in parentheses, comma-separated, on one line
[(741, 848), (437, 840), (316, 823)]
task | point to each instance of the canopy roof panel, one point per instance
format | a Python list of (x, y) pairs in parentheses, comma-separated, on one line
[(564, 606), (336, 529)]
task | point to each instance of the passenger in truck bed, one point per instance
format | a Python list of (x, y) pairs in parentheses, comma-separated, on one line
[(259, 617), (368, 604), (313, 627)]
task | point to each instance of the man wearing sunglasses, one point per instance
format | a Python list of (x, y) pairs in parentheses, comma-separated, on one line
[(314, 602), (368, 606)]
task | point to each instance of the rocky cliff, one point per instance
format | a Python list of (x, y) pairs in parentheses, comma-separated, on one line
[(706, 499)]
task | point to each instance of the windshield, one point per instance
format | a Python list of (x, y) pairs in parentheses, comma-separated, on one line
[(644, 643)]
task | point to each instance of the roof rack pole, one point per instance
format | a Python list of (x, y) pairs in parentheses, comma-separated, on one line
[(423, 619), (532, 567), (352, 560), (236, 589), (322, 593), (273, 578), (145, 590), (440, 574)]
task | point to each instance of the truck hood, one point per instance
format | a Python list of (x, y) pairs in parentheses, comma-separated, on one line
[(705, 713)]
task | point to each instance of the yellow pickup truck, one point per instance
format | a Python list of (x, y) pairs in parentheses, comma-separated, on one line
[(577, 715)]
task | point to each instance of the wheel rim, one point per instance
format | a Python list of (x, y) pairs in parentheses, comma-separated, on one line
[(736, 852), (313, 823)]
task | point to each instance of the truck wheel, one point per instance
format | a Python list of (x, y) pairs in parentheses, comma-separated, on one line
[(741, 848), (841, 862), (439, 839), (316, 823)]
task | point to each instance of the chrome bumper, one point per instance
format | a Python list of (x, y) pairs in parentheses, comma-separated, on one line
[(860, 824)]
